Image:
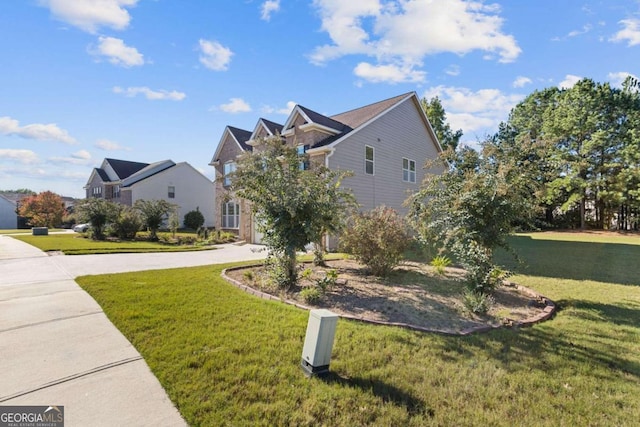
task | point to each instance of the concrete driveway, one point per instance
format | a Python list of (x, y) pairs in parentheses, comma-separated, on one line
[(57, 347)]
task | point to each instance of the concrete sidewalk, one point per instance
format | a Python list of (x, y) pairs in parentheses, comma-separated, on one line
[(58, 348)]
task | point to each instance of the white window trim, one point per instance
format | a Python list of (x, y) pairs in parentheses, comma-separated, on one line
[(226, 215), (373, 161), (409, 171), (226, 180)]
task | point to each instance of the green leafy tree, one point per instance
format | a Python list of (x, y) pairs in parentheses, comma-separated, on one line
[(434, 110), (470, 209), (153, 214), (97, 212), (293, 206), (45, 209), (579, 146), (194, 219)]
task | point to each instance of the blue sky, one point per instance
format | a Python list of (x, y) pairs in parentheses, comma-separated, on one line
[(148, 80)]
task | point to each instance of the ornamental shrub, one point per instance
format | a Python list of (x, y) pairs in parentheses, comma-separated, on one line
[(378, 239), (127, 223), (194, 219)]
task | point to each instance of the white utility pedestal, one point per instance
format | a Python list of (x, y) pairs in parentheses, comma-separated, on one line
[(318, 343)]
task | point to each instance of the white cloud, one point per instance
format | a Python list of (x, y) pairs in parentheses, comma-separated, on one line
[(521, 81), (388, 73), (569, 81), (405, 32), (267, 109), (81, 158), (22, 156), (89, 15), (117, 52), (153, 95), (585, 29), (478, 111), (38, 131), (269, 7), (214, 56), (106, 145), (453, 70), (630, 32), (236, 105), (618, 78)]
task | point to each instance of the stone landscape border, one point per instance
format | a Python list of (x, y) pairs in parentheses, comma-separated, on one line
[(548, 311)]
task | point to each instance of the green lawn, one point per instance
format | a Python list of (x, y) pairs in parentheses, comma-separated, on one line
[(25, 231), (76, 244), (227, 358)]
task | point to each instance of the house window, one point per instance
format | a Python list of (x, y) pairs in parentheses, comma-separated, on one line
[(408, 170), (230, 215), (368, 160), (116, 191), (97, 191), (229, 168), (171, 193), (302, 150)]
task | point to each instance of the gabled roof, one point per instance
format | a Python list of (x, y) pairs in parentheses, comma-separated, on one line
[(102, 174), (8, 200), (355, 118), (124, 168), (323, 120), (12, 197), (147, 172), (358, 118), (273, 127), (241, 136), (313, 119)]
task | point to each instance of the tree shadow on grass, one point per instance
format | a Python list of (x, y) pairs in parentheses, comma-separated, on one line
[(554, 350), (624, 314), (386, 392), (602, 262)]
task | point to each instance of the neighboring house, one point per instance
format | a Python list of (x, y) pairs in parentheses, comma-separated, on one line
[(384, 144), (124, 182), (8, 215), (9, 203)]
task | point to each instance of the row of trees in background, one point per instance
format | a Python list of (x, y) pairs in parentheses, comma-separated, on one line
[(579, 148), (125, 221)]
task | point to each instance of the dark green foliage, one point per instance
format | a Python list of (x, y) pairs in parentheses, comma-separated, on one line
[(377, 238), (194, 219), (438, 118), (580, 148)]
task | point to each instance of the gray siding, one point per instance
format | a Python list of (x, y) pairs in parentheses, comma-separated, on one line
[(400, 133)]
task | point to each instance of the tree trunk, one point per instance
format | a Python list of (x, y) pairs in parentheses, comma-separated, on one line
[(290, 265)]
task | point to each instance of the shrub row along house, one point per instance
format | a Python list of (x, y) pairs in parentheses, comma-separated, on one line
[(124, 182), (384, 144)]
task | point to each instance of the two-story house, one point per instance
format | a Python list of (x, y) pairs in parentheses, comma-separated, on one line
[(384, 144), (124, 182)]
